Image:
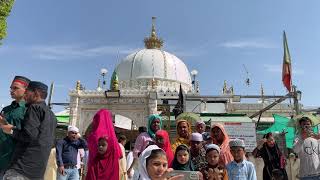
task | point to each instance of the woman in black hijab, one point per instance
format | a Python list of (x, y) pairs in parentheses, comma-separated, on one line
[(272, 157)]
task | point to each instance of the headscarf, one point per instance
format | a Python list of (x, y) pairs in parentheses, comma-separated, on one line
[(143, 162), (151, 118), (274, 154), (225, 154), (185, 167), (102, 166), (166, 145), (189, 118)]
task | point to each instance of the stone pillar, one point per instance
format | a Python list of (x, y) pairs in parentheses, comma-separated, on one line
[(152, 106), (74, 109)]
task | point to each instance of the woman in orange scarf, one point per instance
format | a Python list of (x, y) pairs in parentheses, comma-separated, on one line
[(184, 122), (220, 137)]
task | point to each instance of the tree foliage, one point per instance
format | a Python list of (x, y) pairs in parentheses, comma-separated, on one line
[(5, 9)]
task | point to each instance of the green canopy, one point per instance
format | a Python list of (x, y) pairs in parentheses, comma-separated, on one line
[(281, 124), (63, 118)]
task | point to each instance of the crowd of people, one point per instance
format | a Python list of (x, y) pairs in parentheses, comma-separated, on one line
[(28, 150)]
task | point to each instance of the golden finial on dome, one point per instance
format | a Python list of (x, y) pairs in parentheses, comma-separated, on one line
[(114, 86), (153, 42)]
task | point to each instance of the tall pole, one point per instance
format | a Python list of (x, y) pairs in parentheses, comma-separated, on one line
[(50, 95), (295, 100)]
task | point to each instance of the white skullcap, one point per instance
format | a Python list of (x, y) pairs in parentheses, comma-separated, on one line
[(213, 146), (236, 143), (73, 129), (196, 137)]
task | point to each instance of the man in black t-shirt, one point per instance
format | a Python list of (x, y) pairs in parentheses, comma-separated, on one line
[(35, 138)]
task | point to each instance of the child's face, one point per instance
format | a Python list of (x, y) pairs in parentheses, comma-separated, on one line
[(159, 141), (212, 157), (157, 166), (237, 153), (182, 156), (200, 128), (196, 145), (102, 146)]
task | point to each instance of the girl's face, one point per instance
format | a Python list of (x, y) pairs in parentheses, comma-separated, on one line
[(102, 146), (159, 141), (157, 167), (217, 134), (182, 156), (212, 157)]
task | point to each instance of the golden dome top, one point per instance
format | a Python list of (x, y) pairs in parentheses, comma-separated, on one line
[(153, 42)]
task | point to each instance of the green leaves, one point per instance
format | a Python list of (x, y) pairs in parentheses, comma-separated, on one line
[(5, 9)]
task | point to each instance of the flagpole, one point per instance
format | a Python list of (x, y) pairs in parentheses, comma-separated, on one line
[(293, 88)]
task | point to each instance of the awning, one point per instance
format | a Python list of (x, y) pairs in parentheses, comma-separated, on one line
[(63, 118), (227, 119), (122, 122)]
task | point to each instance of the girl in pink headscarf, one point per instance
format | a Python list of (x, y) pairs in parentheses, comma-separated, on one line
[(163, 141), (104, 150)]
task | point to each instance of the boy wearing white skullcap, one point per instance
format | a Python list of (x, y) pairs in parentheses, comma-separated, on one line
[(239, 168), (198, 153), (214, 170)]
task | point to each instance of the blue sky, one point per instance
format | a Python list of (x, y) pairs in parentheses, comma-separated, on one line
[(66, 41)]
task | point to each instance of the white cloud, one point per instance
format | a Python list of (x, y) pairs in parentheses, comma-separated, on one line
[(277, 68), (181, 51), (70, 52), (263, 44)]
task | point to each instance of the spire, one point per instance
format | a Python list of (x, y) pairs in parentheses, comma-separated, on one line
[(99, 85), (153, 42), (262, 90), (262, 93), (224, 89), (114, 85), (78, 86)]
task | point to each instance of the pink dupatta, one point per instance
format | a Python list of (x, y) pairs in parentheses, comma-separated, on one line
[(225, 154), (103, 166)]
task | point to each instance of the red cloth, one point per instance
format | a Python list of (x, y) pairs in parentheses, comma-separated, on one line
[(225, 154), (105, 166), (166, 147)]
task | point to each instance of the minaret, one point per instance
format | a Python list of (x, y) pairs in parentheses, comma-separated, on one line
[(224, 89), (153, 42), (78, 86), (99, 86), (262, 93)]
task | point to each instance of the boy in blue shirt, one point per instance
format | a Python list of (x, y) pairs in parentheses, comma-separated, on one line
[(239, 168)]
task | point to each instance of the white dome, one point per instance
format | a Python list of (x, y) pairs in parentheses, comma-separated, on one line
[(148, 64)]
